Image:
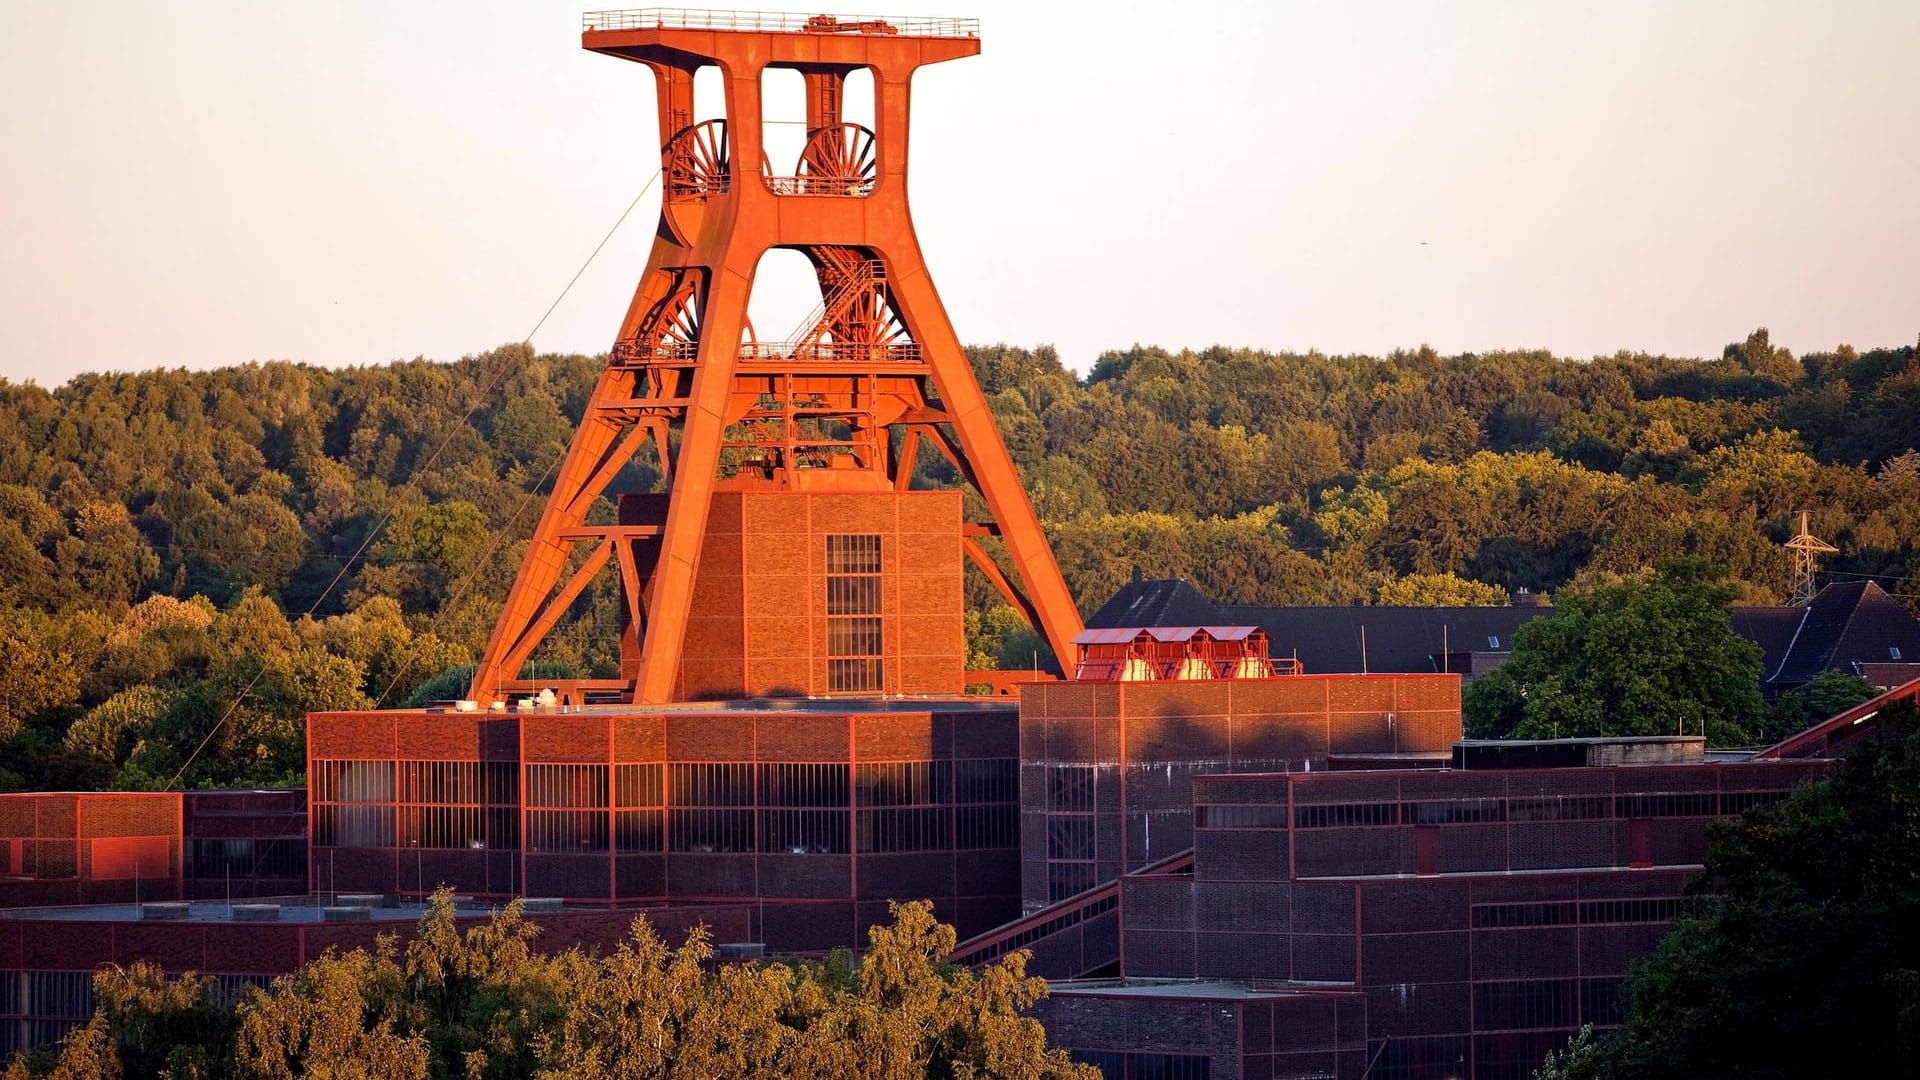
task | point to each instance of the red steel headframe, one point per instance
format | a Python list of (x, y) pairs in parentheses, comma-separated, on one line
[(841, 407)]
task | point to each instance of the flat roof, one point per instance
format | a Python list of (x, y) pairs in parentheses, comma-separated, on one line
[(948, 703), (1586, 740), (1192, 989), (1529, 871), (310, 910)]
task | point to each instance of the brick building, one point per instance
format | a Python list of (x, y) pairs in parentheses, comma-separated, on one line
[(1107, 767), (127, 846), (89, 847), (1479, 915), (242, 844), (803, 593), (822, 810)]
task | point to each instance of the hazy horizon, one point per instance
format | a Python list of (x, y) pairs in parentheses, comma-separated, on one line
[(212, 183)]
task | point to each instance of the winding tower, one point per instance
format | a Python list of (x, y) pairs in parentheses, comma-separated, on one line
[(786, 464)]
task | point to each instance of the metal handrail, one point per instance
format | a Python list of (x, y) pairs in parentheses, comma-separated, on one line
[(841, 186), (777, 22), (630, 354), (1061, 915), (901, 351)]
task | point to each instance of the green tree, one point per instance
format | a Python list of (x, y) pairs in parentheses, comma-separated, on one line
[(1646, 656), (1441, 590), (484, 1004), (342, 1016), (165, 1027), (1758, 355), (1826, 694), (106, 556), (34, 676), (109, 728)]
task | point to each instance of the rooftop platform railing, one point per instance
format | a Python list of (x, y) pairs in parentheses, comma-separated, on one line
[(901, 352), (777, 22)]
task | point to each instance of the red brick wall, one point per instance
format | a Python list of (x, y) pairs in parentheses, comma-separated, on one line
[(96, 847), (758, 626)]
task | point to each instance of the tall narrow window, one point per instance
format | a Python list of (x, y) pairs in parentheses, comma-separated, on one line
[(853, 613)]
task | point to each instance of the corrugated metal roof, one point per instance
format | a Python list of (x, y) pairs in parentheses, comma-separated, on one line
[(1119, 635), (1107, 635)]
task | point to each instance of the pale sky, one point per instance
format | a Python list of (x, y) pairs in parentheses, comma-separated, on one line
[(208, 183)]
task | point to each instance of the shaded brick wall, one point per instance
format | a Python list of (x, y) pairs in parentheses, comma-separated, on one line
[(1107, 768), (833, 815), (1485, 916), (1177, 1034)]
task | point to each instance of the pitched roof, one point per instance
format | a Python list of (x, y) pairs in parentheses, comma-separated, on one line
[(1889, 675), (1771, 628), (1156, 602), (1120, 635), (1329, 639), (1846, 624)]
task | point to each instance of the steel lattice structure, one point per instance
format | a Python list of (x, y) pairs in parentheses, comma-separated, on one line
[(843, 406)]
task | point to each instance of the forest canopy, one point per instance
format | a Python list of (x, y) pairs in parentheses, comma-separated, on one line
[(164, 534)]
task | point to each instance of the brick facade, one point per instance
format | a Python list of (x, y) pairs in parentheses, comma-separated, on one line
[(827, 813), (760, 620), (1481, 916), (1107, 768)]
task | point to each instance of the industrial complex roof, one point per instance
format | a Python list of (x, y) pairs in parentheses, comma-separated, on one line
[(1848, 626)]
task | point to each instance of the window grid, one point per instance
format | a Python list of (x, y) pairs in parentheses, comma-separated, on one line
[(440, 804), (567, 809), (1141, 1065), (1454, 811), (1517, 809), (778, 808), (1560, 808), (1346, 815), (1525, 1004), (1229, 816), (353, 803), (280, 857), (711, 807), (639, 817), (1070, 830), (711, 783), (804, 808), (986, 796), (1688, 804), (903, 806), (855, 633), (1583, 913)]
